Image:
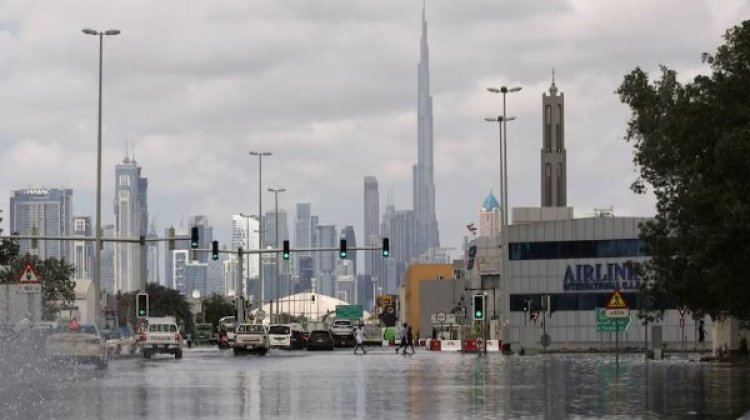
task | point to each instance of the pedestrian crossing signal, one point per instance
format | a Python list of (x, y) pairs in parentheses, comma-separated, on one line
[(194, 237)]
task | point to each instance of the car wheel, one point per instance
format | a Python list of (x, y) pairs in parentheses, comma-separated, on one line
[(178, 354), (146, 354)]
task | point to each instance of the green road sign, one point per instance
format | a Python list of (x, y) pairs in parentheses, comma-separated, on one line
[(349, 311), (604, 324)]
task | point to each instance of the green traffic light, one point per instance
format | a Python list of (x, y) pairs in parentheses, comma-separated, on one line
[(478, 314), (342, 254), (285, 256)]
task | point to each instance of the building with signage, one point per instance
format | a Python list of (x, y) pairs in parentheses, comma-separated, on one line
[(415, 277), (47, 210)]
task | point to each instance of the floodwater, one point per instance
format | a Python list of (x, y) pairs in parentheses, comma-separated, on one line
[(208, 383)]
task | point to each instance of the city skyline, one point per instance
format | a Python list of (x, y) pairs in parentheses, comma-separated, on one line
[(168, 101)]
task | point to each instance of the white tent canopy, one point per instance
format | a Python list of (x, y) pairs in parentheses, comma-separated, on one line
[(312, 305)]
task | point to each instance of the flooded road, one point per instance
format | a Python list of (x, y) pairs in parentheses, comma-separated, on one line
[(208, 383)]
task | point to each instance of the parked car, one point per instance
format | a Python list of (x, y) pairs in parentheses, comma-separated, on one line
[(251, 338), (320, 340), (161, 336), (85, 344), (204, 334)]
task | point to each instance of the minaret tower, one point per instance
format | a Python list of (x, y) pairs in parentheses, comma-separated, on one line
[(554, 178)]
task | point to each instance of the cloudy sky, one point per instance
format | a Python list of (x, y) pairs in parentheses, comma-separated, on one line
[(329, 86)]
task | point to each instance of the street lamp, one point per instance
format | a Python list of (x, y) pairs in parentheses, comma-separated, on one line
[(97, 252), (504, 188), (260, 221), (276, 192)]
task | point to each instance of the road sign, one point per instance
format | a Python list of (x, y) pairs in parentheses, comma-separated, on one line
[(617, 313), (29, 280), (604, 324), (260, 314), (349, 311), (444, 319), (616, 301)]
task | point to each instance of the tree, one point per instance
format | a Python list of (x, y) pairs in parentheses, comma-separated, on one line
[(692, 146), (216, 307), (163, 301)]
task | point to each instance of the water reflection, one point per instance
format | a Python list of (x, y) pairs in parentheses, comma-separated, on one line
[(211, 384)]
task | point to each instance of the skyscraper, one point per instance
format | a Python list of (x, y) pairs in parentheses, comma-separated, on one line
[(269, 230), (351, 242), (326, 260), (153, 266), (489, 217), (372, 223), (50, 211), (83, 251), (423, 171), (245, 234), (108, 260), (554, 166), (131, 221), (401, 226), (169, 255), (205, 236)]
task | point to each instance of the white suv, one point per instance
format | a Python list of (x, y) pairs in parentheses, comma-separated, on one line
[(160, 335)]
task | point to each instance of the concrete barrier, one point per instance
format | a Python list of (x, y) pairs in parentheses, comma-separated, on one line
[(450, 345), (493, 345)]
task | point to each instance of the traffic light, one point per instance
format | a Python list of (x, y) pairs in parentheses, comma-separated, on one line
[(141, 305), (194, 237), (285, 252), (34, 232), (386, 247), (479, 301), (342, 248), (215, 250)]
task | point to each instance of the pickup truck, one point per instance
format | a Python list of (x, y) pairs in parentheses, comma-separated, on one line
[(160, 335), (342, 331), (251, 338)]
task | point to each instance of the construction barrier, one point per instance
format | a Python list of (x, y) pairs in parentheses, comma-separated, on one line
[(450, 345), (493, 345), (470, 345)]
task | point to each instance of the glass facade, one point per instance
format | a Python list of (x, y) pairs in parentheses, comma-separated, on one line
[(557, 250)]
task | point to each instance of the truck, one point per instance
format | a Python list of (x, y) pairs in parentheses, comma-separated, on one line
[(159, 335), (251, 338)]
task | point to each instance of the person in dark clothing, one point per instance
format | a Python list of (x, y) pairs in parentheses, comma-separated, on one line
[(409, 340)]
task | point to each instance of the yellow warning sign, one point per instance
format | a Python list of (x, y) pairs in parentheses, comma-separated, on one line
[(616, 301)]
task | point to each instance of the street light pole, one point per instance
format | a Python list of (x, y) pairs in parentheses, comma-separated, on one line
[(97, 252), (504, 192), (276, 293), (260, 222)]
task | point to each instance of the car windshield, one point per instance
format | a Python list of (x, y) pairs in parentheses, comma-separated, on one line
[(279, 330), (258, 329)]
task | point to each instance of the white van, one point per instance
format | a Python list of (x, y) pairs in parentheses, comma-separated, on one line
[(287, 336)]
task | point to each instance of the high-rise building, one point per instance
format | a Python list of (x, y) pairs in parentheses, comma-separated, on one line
[(372, 223), (230, 275), (423, 172), (153, 266), (169, 255), (245, 234), (347, 233), (489, 217), (50, 211), (108, 260), (131, 221), (269, 232), (303, 227), (326, 260), (401, 226), (83, 251), (554, 167)]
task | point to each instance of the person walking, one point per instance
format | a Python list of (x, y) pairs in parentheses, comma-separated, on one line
[(409, 340), (359, 337), (402, 337)]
